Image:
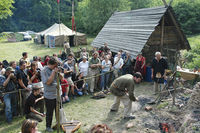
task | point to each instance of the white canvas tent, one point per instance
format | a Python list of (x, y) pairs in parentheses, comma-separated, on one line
[(59, 34)]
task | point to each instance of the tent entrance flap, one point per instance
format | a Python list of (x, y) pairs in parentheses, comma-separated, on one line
[(71, 40)]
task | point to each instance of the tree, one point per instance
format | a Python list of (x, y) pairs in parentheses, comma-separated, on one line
[(5, 8), (93, 14), (189, 16), (137, 4)]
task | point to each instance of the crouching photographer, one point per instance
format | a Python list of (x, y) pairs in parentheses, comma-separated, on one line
[(31, 105), (9, 83)]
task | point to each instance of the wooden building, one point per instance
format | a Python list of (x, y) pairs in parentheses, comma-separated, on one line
[(144, 30)]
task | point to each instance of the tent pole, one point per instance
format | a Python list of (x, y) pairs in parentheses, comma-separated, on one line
[(59, 17), (59, 20)]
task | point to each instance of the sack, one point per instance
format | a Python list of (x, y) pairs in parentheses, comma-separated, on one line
[(158, 75), (2, 79), (62, 116)]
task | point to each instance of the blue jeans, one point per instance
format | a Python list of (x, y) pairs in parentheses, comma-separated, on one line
[(104, 79), (10, 101), (83, 90)]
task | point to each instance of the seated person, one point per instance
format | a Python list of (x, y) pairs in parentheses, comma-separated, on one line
[(32, 102), (80, 85), (65, 89)]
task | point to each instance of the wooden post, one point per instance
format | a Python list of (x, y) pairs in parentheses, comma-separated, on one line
[(176, 25), (170, 2), (174, 93), (58, 104), (162, 34), (165, 3), (20, 102), (174, 85)]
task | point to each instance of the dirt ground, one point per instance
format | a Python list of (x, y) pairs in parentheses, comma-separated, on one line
[(91, 112)]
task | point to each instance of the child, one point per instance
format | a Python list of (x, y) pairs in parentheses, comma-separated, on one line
[(65, 89)]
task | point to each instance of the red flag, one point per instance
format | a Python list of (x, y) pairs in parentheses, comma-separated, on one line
[(72, 23), (58, 1)]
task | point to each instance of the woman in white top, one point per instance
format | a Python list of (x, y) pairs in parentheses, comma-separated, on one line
[(118, 64), (83, 66), (106, 65), (2, 70)]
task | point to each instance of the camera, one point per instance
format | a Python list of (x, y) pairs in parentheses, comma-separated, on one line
[(61, 69)]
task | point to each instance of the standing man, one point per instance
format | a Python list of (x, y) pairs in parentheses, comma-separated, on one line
[(32, 102), (105, 48), (10, 84), (127, 67), (67, 48), (23, 81), (13, 64), (159, 66), (72, 65), (68, 71), (123, 90), (94, 65), (49, 80), (118, 63), (25, 58)]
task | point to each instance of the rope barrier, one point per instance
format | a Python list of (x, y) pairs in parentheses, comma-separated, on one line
[(90, 77)]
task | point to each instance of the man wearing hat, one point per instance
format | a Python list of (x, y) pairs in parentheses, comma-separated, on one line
[(123, 90), (9, 84), (31, 105)]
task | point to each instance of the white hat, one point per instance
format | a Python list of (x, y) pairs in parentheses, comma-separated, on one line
[(84, 57)]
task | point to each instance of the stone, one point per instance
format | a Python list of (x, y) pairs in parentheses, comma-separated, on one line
[(130, 125), (148, 108)]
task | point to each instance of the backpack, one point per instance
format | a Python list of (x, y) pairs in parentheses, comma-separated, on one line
[(2, 79)]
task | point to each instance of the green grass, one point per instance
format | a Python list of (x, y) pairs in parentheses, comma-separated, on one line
[(192, 56), (194, 40), (13, 51), (88, 111), (162, 105)]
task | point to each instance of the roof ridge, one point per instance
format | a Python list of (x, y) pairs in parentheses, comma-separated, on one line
[(142, 9)]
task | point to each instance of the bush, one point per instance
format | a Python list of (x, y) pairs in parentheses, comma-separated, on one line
[(193, 56)]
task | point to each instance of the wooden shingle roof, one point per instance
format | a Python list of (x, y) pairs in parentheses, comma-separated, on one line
[(130, 30)]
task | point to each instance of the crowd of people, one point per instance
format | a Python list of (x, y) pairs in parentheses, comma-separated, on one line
[(37, 79)]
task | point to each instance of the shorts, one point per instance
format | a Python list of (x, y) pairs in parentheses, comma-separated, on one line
[(70, 82)]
